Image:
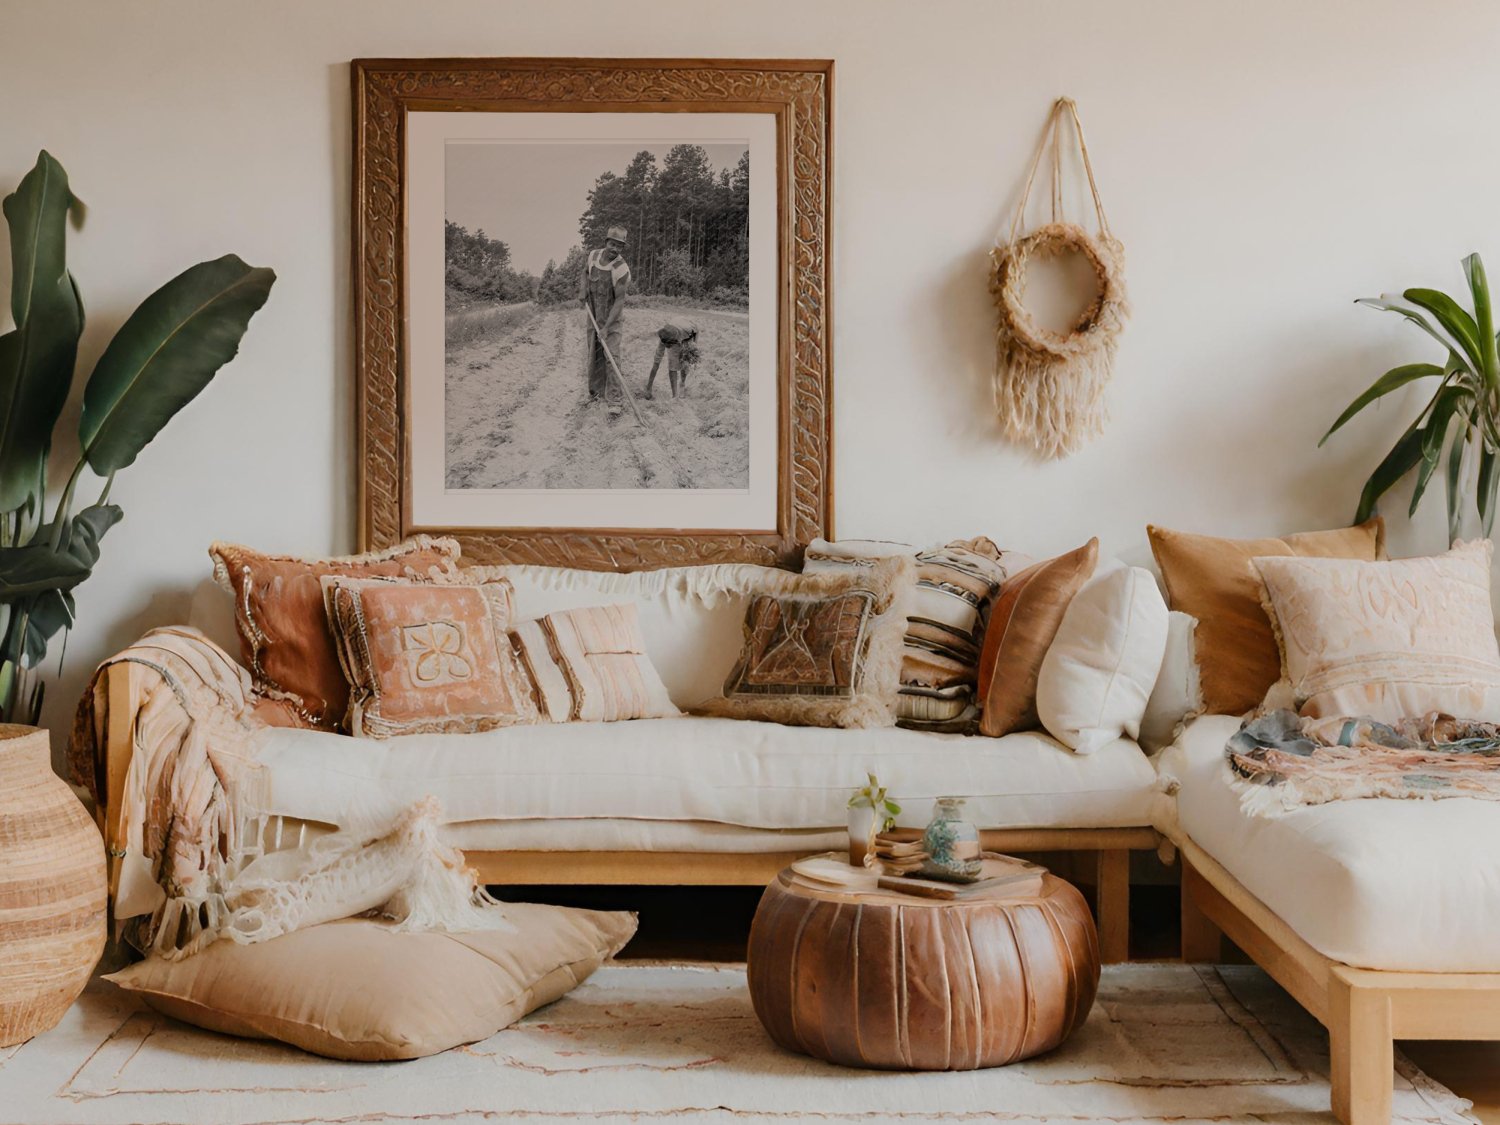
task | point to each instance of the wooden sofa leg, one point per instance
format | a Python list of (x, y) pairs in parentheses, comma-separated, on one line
[(1112, 886), (1361, 1052), (1202, 941)]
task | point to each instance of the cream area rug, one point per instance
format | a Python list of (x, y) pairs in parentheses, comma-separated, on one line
[(645, 1042)]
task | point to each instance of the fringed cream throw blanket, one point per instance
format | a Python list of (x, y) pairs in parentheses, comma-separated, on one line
[(198, 860), (1280, 761)]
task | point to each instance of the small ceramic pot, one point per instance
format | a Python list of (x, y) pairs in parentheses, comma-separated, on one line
[(951, 843), (861, 832)]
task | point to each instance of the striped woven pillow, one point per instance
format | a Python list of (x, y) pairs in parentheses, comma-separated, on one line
[(955, 585)]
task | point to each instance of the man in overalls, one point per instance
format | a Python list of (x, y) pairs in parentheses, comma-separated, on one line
[(606, 278)]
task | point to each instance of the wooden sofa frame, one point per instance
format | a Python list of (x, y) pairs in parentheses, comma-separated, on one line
[(1364, 1010), (1111, 846)]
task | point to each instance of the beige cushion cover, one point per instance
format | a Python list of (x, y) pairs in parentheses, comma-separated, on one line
[(1023, 623), (425, 656), (1390, 640), (356, 990), (590, 665), (1213, 580)]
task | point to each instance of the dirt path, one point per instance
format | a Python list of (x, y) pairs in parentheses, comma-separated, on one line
[(518, 415)]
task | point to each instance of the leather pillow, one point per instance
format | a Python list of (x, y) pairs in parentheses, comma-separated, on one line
[(1023, 622), (427, 657), (285, 639), (357, 990), (1215, 581)]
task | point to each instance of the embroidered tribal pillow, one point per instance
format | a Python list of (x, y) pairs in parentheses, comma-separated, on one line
[(1386, 640), (823, 649), (424, 657), (956, 584), (284, 634), (590, 665), (1214, 580)]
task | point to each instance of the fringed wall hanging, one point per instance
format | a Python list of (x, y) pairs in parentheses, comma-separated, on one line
[(1049, 386)]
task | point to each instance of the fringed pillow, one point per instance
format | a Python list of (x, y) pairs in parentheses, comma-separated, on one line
[(823, 649), (423, 657), (285, 640)]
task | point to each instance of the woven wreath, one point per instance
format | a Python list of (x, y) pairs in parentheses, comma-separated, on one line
[(1049, 386)]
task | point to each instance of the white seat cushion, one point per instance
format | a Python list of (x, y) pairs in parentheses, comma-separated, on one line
[(730, 771), (1408, 885)]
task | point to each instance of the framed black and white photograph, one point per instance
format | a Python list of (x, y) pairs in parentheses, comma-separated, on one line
[(608, 303)]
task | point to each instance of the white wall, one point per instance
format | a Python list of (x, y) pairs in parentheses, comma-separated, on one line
[(1264, 164)]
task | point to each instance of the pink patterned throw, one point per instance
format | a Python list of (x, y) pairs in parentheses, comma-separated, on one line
[(1281, 761)]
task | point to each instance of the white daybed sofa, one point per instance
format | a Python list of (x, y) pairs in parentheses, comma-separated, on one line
[(683, 800), (1380, 916)]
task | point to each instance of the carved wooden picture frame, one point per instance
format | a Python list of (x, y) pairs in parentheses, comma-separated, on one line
[(389, 95)]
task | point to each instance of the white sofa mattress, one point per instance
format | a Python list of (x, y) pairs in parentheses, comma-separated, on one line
[(1379, 884), (727, 771)]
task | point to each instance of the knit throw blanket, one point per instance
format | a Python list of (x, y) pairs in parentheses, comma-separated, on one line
[(195, 859), (1280, 761)]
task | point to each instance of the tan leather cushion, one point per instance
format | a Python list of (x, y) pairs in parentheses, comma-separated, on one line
[(1214, 580), (356, 990), (427, 656), (285, 640), (1022, 624)]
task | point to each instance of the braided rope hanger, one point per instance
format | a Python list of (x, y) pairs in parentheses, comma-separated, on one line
[(1049, 386)]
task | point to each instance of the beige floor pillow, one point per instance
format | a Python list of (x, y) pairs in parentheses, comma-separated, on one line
[(356, 990)]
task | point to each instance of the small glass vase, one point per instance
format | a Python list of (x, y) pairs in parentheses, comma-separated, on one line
[(951, 843)]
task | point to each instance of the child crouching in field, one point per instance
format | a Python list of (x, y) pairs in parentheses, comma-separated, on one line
[(677, 341)]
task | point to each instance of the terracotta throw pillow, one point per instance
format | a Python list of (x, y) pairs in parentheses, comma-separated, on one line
[(590, 665), (285, 640), (357, 990), (1215, 581), (1025, 618), (823, 649), (1388, 640), (427, 657)]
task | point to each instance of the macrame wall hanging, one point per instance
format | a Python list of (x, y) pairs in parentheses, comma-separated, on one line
[(1049, 386)]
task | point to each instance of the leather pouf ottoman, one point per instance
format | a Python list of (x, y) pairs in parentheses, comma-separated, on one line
[(889, 980)]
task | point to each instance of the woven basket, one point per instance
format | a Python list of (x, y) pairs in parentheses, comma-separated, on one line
[(52, 889)]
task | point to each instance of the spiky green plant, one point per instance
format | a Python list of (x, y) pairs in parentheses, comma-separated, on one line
[(1457, 427), (163, 355)]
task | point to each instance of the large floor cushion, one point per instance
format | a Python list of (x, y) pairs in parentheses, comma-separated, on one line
[(730, 771), (1379, 884)]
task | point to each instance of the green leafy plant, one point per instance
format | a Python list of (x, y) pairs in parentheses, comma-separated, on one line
[(1457, 427), (873, 796), (164, 354)]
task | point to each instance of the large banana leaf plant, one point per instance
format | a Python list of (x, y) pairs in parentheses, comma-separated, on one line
[(1457, 428), (163, 355)]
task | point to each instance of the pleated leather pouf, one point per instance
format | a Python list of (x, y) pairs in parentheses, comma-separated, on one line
[(888, 980), (52, 888)]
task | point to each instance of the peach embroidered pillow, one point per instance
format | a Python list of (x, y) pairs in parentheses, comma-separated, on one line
[(427, 657), (1390, 640), (284, 635), (590, 665)]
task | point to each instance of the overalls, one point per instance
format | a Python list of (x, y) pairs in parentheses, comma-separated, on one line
[(601, 298)]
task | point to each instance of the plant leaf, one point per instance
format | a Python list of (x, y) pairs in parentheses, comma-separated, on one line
[(37, 567), (1454, 319), (1393, 302), (1402, 458), (1445, 404), (37, 356), (168, 351), (1484, 316), (1455, 475), (1393, 379), (1488, 480)]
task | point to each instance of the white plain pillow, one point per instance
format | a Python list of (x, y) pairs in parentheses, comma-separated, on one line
[(1098, 674), (1178, 695)]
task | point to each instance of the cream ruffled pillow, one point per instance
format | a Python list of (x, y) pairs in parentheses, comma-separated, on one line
[(1389, 640)]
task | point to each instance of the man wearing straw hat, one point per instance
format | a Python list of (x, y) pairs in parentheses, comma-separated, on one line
[(606, 279)]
